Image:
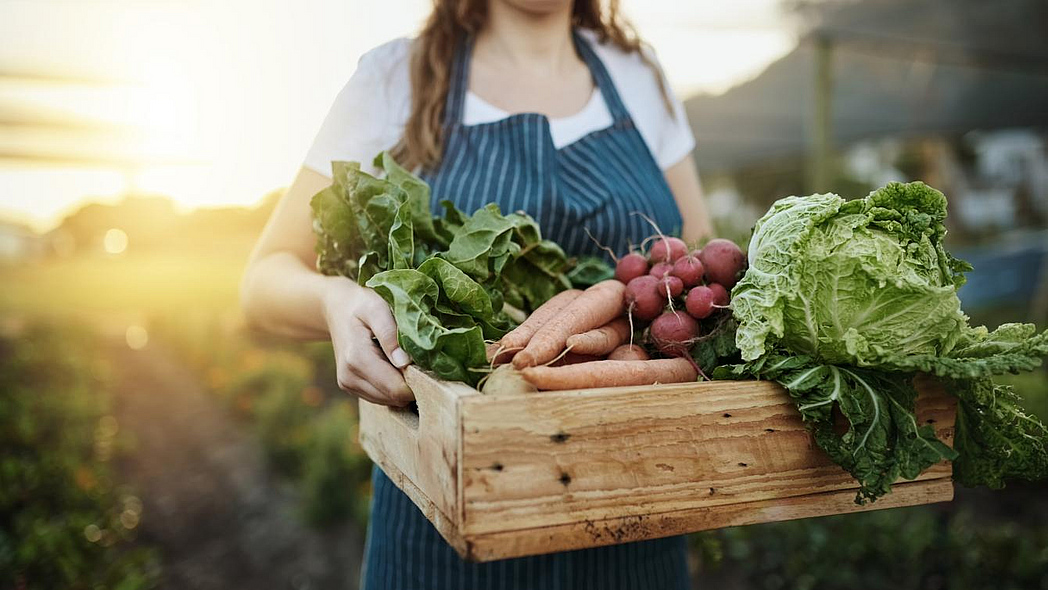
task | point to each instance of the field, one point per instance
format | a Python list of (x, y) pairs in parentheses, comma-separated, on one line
[(245, 458)]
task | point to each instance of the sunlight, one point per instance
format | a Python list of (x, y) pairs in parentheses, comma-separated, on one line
[(115, 241)]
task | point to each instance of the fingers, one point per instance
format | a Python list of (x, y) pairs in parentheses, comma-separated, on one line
[(380, 320), (363, 370), (384, 377)]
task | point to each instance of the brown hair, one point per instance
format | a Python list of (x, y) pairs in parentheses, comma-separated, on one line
[(449, 23)]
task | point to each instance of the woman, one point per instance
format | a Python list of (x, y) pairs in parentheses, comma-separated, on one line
[(550, 106)]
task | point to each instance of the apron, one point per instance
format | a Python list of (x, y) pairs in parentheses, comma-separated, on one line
[(595, 183)]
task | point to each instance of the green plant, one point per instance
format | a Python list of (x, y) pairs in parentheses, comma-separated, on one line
[(64, 521)]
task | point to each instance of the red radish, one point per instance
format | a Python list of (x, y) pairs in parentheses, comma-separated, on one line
[(700, 302), (660, 269), (630, 267), (667, 250), (720, 294), (672, 285), (689, 270), (643, 299), (723, 261), (628, 352), (673, 333)]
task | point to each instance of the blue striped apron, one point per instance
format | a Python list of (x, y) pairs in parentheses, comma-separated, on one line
[(595, 183)]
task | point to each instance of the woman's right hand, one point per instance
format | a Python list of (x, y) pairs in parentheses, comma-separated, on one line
[(355, 316)]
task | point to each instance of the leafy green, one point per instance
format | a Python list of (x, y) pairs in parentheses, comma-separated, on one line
[(445, 278), (857, 282), (589, 271), (845, 301)]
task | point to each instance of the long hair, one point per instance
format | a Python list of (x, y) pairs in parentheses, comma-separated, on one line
[(452, 21)]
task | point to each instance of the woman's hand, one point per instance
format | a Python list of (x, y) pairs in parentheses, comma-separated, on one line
[(365, 369)]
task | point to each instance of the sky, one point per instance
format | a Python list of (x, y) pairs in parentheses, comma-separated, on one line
[(216, 102)]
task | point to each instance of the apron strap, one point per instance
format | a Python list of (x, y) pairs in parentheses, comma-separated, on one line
[(455, 105), (601, 77)]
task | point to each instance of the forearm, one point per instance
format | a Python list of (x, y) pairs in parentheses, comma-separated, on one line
[(283, 296)]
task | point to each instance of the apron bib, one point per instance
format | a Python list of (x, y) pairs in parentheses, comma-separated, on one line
[(596, 183)]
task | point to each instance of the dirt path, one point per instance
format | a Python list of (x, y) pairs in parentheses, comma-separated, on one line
[(220, 518)]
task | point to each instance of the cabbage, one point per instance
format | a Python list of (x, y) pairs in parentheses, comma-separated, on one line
[(845, 301), (858, 282)]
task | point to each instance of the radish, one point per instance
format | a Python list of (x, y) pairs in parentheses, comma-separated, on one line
[(689, 270), (667, 249), (723, 261), (630, 267), (720, 294), (660, 269), (673, 333), (700, 302), (672, 285), (643, 299)]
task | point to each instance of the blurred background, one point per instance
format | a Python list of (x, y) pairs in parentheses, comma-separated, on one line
[(150, 441)]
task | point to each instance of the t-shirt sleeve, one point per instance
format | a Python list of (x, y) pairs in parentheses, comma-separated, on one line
[(675, 139), (360, 123)]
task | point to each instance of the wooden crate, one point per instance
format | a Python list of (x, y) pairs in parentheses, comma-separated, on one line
[(512, 475)]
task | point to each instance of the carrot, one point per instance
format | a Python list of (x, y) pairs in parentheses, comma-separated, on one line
[(601, 340), (611, 374), (629, 352), (517, 338), (595, 307)]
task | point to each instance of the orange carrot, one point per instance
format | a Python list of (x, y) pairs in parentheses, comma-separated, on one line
[(517, 338), (629, 352), (601, 340), (611, 374), (595, 307)]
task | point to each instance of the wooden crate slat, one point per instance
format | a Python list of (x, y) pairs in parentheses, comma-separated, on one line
[(511, 475), (559, 457), (492, 546)]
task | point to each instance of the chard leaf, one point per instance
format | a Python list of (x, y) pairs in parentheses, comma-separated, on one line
[(335, 228), (484, 244), (589, 271), (1010, 348), (402, 238), (417, 193), (996, 438), (449, 352)]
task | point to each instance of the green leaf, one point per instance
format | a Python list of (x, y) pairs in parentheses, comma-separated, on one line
[(1010, 348), (995, 437), (335, 227), (402, 238), (484, 244), (448, 352), (589, 271), (417, 192)]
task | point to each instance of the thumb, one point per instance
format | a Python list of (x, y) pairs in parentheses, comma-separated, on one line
[(384, 327)]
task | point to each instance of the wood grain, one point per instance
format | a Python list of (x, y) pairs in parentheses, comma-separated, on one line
[(506, 544), (425, 447), (561, 457), (509, 475)]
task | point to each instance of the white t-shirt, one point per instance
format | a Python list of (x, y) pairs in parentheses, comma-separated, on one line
[(370, 112)]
